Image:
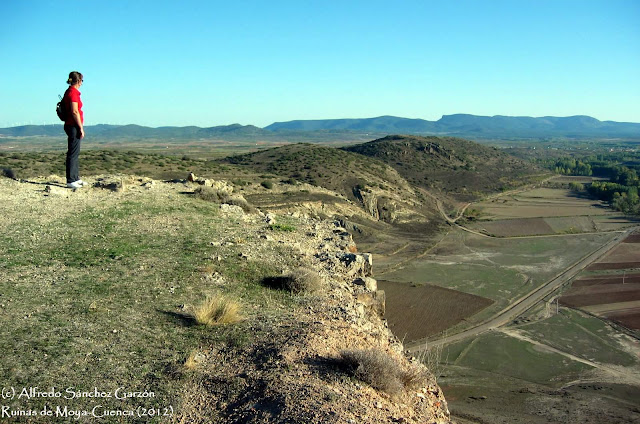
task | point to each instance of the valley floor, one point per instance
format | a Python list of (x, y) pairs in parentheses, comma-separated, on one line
[(552, 363)]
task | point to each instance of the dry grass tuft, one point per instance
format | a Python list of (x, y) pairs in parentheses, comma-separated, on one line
[(192, 361), (304, 280), (211, 194), (301, 280), (381, 371), (207, 269), (217, 310)]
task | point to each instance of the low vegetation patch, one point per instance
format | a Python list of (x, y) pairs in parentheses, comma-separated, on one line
[(282, 227), (211, 194), (381, 371), (217, 310), (8, 173), (301, 280)]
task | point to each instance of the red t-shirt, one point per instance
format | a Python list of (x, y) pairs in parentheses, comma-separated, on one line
[(73, 95)]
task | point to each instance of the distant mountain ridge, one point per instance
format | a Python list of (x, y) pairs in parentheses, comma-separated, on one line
[(138, 131), (459, 125), (473, 125)]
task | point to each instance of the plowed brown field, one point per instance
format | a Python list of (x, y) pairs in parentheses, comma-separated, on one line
[(418, 312), (629, 319), (601, 294), (633, 238), (624, 256), (607, 279), (517, 227), (601, 266)]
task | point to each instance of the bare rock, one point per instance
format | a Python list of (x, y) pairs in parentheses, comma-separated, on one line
[(117, 185), (357, 264), (231, 209), (370, 284), (375, 302)]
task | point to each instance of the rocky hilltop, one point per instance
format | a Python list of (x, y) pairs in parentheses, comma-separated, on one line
[(314, 353)]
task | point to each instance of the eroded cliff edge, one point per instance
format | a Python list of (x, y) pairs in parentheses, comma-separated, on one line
[(316, 357)]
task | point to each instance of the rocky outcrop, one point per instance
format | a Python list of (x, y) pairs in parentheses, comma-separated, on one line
[(289, 364), (297, 373)]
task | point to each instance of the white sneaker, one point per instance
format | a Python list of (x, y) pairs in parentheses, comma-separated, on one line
[(82, 183), (75, 185)]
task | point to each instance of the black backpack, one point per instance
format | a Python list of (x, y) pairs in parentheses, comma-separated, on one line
[(61, 110)]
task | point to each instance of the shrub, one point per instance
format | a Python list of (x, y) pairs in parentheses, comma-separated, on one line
[(9, 173), (381, 371), (282, 227), (267, 184), (240, 201), (211, 194), (217, 310), (301, 280)]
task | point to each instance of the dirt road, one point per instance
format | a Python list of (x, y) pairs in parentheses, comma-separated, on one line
[(524, 303)]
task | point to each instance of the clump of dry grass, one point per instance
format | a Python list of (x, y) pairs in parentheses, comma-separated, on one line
[(192, 361), (381, 371), (217, 310), (300, 280), (211, 194), (303, 280)]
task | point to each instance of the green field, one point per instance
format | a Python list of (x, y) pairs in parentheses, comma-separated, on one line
[(496, 377), (500, 354), (502, 270), (584, 336)]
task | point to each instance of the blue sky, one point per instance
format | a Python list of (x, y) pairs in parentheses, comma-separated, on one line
[(210, 63)]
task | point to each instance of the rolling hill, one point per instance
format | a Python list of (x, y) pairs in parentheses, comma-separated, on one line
[(454, 166), (334, 169)]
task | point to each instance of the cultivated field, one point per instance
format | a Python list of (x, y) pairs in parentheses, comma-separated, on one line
[(567, 368), (613, 296), (418, 311), (545, 211), (502, 270), (566, 179)]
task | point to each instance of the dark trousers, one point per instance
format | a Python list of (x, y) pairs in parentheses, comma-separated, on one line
[(73, 152)]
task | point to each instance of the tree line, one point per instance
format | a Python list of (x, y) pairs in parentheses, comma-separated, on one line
[(620, 169)]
